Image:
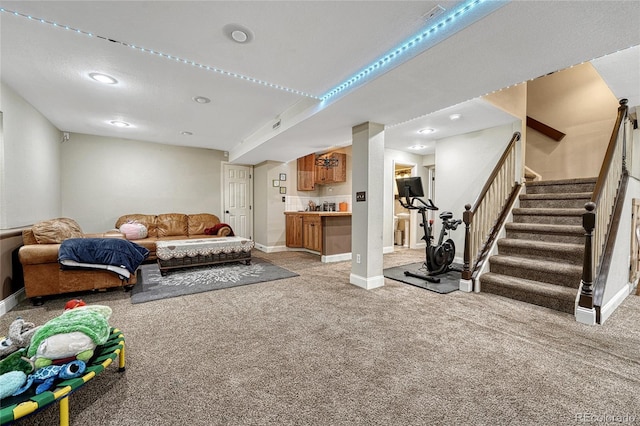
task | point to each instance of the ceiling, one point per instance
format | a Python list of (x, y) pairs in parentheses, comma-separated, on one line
[(268, 95)]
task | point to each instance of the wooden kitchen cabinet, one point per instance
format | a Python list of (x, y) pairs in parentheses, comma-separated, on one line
[(294, 230), (326, 233), (324, 175), (310, 175), (312, 232), (307, 173)]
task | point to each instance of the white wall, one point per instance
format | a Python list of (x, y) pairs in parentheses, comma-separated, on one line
[(269, 220), (463, 164), (29, 163), (392, 157), (577, 102), (104, 178)]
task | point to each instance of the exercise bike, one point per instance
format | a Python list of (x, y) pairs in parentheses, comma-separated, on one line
[(439, 257)]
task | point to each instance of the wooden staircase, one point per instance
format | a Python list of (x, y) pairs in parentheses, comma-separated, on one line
[(540, 260)]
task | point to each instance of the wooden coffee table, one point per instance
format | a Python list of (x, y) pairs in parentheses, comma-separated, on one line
[(177, 254)]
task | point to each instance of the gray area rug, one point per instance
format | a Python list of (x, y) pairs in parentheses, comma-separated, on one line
[(152, 285), (449, 282)]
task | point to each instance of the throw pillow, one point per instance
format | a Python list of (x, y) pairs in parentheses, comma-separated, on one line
[(55, 231), (228, 232), (134, 230)]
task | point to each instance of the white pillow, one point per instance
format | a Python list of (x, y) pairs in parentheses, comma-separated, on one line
[(134, 230)]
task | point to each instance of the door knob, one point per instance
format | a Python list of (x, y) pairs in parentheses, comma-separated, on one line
[(226, 211)]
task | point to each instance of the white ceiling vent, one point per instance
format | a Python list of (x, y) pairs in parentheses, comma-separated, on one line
[(433, 13)]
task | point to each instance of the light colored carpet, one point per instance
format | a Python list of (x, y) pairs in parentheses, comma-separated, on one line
[(316, 350)]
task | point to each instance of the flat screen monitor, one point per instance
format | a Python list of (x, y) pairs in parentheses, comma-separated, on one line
[(410, 186)]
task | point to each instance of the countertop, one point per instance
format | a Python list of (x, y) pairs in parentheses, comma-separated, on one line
[(320, 213)]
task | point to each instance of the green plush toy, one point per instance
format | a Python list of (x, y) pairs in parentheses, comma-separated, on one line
[(73, 334), (17, 361)]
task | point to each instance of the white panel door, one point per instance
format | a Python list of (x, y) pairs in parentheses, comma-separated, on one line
[(238, 196)]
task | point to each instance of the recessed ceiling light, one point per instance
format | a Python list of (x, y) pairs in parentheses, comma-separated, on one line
[(454, 117), (201, 99), (416, 147), (238, 33), (185, 133), (239, 36), (103, 78), (426, 131), (119, 123)]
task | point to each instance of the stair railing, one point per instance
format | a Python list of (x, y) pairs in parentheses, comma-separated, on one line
[(599, 211), (484, 218)]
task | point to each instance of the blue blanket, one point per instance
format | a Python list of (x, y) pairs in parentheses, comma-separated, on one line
[(106, 251)]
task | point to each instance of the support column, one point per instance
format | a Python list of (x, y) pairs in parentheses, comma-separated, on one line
[(367, 205)]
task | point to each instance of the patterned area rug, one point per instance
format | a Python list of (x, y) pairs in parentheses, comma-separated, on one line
[(152, 285)]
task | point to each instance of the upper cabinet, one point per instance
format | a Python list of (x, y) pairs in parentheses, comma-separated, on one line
[(335, 171), (307, 173), (312, 173)]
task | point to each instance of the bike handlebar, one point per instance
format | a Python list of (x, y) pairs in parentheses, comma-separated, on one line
[(409, 204)]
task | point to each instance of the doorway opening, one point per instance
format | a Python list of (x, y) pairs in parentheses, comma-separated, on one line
[(401, 216), (238, 199)]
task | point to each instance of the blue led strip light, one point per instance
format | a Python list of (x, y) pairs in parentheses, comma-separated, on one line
[(162, 55), (393, 54)]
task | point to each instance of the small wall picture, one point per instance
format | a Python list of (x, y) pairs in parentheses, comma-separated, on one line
[(276, 182), (283, 176), (283, 190)]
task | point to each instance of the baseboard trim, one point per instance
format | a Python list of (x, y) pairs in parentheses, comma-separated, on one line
[(271, 249), (367, 283), (329, 258), (614, 302), (12, 301)]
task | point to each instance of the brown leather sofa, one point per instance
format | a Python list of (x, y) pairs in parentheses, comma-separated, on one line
[(174, 226), (43, 275)]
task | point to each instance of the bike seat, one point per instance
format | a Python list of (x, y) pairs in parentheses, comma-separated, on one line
[(446, 215)]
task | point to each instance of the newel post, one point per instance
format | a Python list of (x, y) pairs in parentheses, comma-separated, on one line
[(467, 217), (588, 223)]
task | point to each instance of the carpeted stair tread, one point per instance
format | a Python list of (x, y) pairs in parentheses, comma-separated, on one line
[(556, 196), (558, 273), (546, 228), (542, 250), (561, 186), (534, 264), (555, 200), (573, 234), (575, 181), (555, 216), (548, 211), (555, 297)]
